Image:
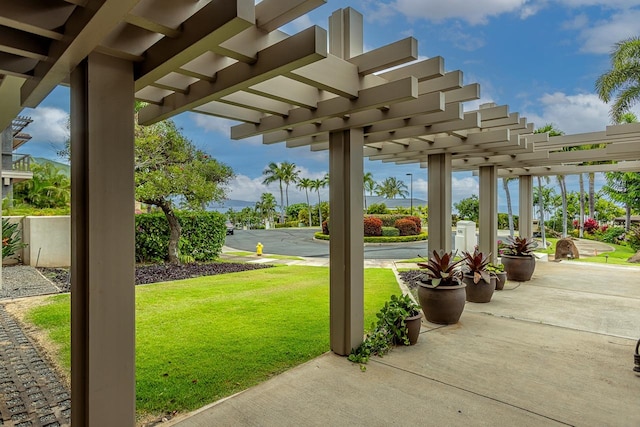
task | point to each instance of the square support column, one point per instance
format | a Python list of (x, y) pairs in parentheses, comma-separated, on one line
[(439, 178), (488, 218), (525, 206), (346, 246), (102, 243)]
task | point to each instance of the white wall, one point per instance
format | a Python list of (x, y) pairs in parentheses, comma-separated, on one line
[(48, 239)]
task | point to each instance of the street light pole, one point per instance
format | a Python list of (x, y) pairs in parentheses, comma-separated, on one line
[(411, 176)]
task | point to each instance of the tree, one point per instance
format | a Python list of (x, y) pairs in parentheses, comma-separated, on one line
[(169, 169), (552, 131), (266, 206), (50, 187), (624, 187), (306, 183), (317, 185), (368, 185), (581, 218), (284, 172), (623, 80), (563, 193), (505, 185), (469, 208), (392, 187)]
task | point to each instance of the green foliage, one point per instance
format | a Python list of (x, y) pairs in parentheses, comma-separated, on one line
[(623, 187), (11, 241), (382, 239), (377, 209), (203, 234), (283, 173), (50, 187), (623, 80), (613, 235), (293, 211), (389, 220), (390, 232), (468, 209), (288, 224), (391, 188), (26, 210), (633, 238), (390, 328), (503, 221), (495, 268)]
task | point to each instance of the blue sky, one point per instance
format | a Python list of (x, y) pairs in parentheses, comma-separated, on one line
[(541, 57)]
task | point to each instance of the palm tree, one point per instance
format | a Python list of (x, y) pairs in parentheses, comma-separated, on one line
[(505, 185), (581, 220), (624, 187), (552, 131), (392, 187), (563, 193), (290, 174), (266, 206), (316, 185), (306, 183), (284, 172), (623, 79), (369, 185)]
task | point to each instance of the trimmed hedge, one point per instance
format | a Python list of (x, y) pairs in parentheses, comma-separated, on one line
[(407, 227), (382, 239), (388, 220), (203, 234), (372, 226), (390, 232)]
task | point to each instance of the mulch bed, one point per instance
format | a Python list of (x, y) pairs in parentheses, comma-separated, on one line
[(154, 273), (412, 278)]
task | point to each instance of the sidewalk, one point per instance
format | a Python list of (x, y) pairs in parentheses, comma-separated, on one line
[(554, 351)]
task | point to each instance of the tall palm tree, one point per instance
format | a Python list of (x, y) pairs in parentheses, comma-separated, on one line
[(316, 185), (623, 79), (505, 185), (266, 206), (290, 175), (369, 185), (306, 183), (563, 193), (581, 220), (273, 173), (392, 187), (552, 131)]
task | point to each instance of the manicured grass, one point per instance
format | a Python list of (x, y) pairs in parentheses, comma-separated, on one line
[(199, 340), (274, 256), (618, 257)]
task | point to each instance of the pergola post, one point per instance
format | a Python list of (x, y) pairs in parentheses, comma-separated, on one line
[(439, 188), (346, 247), (102, 236), (488, 218), (525, 206)]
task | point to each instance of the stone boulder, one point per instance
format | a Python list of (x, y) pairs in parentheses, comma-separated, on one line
[(635, 258), (566, 249)]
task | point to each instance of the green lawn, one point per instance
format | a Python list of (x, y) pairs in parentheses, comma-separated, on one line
[(199, 340)]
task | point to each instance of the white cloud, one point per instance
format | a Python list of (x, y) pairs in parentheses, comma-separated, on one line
[(600, 37), (463, 187), (49, 125), (221, 126), (473, 12)]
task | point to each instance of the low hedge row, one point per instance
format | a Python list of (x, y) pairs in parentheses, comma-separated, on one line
[(202, 238), (382, 239)]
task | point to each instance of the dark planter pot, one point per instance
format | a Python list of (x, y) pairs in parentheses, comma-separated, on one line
[(442, 305), (413, 327), (501, 278), (481, 291), (519, 268)]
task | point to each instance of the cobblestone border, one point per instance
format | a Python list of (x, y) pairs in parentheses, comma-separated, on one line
[(31, 394)]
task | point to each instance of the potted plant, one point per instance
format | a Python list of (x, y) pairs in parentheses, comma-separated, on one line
[(398, 323), (401, 316), (480, 282), (501, 275), (441, 294), (518, 259)]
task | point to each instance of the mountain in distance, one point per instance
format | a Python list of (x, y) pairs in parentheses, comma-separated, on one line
[(225, 205), (65, 168)]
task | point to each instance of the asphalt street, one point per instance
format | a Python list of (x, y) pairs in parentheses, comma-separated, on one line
[(300, 242)]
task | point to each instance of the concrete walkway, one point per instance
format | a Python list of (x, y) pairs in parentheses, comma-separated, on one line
[(557, 350)]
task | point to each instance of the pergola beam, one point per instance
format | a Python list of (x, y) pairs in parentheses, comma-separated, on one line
[(303, 48)]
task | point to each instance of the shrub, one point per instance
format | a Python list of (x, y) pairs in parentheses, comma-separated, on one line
[(418, 222), (613, 235), (11, 241), (633, 237), (390, 231), (325, 227), (203, 234), (406, 227), (591, 225), (372, 226), (287, 224), (377, 208), (389, 220)]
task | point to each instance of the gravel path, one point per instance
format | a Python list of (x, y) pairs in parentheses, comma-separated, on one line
[(24, 281)]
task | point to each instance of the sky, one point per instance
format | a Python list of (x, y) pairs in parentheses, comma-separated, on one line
[(540, 57)]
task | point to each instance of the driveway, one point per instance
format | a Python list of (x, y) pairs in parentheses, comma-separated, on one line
[(300, 242)]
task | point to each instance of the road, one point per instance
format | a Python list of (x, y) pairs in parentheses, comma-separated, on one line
[(300, 242)]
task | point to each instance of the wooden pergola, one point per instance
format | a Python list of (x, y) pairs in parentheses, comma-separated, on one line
[(230, 58)]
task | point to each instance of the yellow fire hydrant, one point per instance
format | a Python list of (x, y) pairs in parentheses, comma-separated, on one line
[(259, 247)]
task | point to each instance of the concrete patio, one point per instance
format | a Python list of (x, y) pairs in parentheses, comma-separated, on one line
[(557, 350)]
